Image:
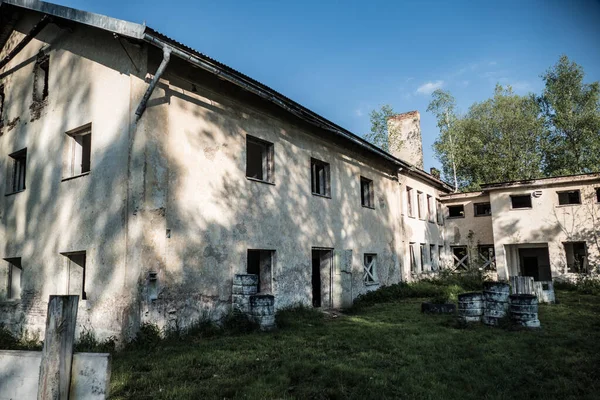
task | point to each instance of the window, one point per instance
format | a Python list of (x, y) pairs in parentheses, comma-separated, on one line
[(413, 259), (456, 211), (440, 254), (78, 151), (1, 105), (440, 214), (366, 193), (483, 209), (320, 178), (423, 256), (420, 204), (569, 197), (370, 268), (432, 257), (76, 264), (409, 201), (430, 209), (17, 176), (576, 253), (259, 159), (40, 78), (460, 258), (260, 262), (486, 257), (598, 195), (521, 201), (14, 278)]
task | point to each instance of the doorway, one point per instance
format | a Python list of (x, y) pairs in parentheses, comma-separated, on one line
[(322, 264), (535, 262)]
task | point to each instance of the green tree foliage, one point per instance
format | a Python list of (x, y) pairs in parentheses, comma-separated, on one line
[(379, 134), (571, 111), (447, 146)]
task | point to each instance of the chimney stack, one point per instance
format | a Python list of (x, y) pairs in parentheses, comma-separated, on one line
[(404, 131)]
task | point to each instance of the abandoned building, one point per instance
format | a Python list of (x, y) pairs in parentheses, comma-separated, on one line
[(143, 176)]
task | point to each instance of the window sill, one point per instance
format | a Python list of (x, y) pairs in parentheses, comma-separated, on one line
[(567, 205), (411, 216), (260, 180), (462, 216), (369, 207), (371, 283), (521, 208), (75, 176), (486, 215), (12, 193), (321, 195)]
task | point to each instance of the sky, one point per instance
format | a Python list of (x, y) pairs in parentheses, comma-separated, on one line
[(342, 59)]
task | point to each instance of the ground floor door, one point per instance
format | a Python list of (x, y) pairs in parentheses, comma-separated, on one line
[(535, 262), (322, 267)]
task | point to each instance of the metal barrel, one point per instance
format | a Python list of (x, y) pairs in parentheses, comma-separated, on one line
[(495, 296), (470, 306), (524, 310)]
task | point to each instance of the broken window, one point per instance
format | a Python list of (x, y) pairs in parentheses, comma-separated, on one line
[(152, 285), (569, 197), (483, 209), (79, 151), (521, 201), (413, 259), (423, 256), (457, 211), (460, 257), (370, 268), (260, 262), (432, 257), (17, 176), (40, 78), (367, 194), (576, 257), (409, 201), (15, 272), (420, 204), (259, 159), (76, 265), (320, 178), (440, 214), (487, 257)]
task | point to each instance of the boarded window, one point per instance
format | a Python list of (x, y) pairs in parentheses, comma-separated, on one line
[(40, 80), (569, 197), (487, 257), (320, 178), (457, 211), (78, 151), (576, 253), (483, 209), (15, 273), (521, 201), (259, 159), (413, 259), (260, 262), (367, 194), (76, 266), (18, 168), (460, 258), (370, 268), (409, 201)]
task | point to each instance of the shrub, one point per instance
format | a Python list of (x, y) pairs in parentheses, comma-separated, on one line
[(87, 342), (10, 341), (235, 323)]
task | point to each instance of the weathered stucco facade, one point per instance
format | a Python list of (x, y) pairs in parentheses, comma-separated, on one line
[(148, 210)]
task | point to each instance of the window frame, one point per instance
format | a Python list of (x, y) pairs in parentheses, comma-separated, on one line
[(42, 65), (423, 254), (513, 196), (439, 212), (14, 262), (370, 269), (430, 208), (597, 195), (432, 258), (366, 182), (72, 150), (570, 267), (455, 206), (314, 164), (476, 214), (464, 261), (420, 205), (70, 261), (18, 172), (409, 203), (412, 258), (2, 100), (267, 160), (568, 192)]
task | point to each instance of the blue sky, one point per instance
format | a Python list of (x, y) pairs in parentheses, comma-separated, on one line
[(344, 58)]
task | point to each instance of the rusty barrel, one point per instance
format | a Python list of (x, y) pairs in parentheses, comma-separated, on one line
[(470, 306), (495, 296), (524, 310)]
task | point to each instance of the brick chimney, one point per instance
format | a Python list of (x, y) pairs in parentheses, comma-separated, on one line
[(404, 132)]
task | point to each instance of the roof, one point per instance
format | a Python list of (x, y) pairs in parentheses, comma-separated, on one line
[(149, 35), (566, 179)]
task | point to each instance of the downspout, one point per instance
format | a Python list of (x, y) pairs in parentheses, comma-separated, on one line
[(161, 69), (37, 28)]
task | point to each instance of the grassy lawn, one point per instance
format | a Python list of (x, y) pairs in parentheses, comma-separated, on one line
[(384, 351)]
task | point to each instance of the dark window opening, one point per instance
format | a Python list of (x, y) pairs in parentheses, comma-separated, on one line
[(321, 277), (19, 166), (76, 274), (432, 257), (483, 209), (370, 268), (42, 69), (487, 258), (1, 105), (460, 258), (259, 159), (15, 273), (570, 197), (521, 201), (598, 195), (423, 256), (320, 178), (366, 193), (260, 262), (576, 253), (456, 211)]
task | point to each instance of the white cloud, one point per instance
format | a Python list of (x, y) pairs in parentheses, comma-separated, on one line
[(429, 87), (358, 112)]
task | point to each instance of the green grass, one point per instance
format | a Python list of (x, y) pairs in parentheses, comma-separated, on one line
[(383, 351)]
